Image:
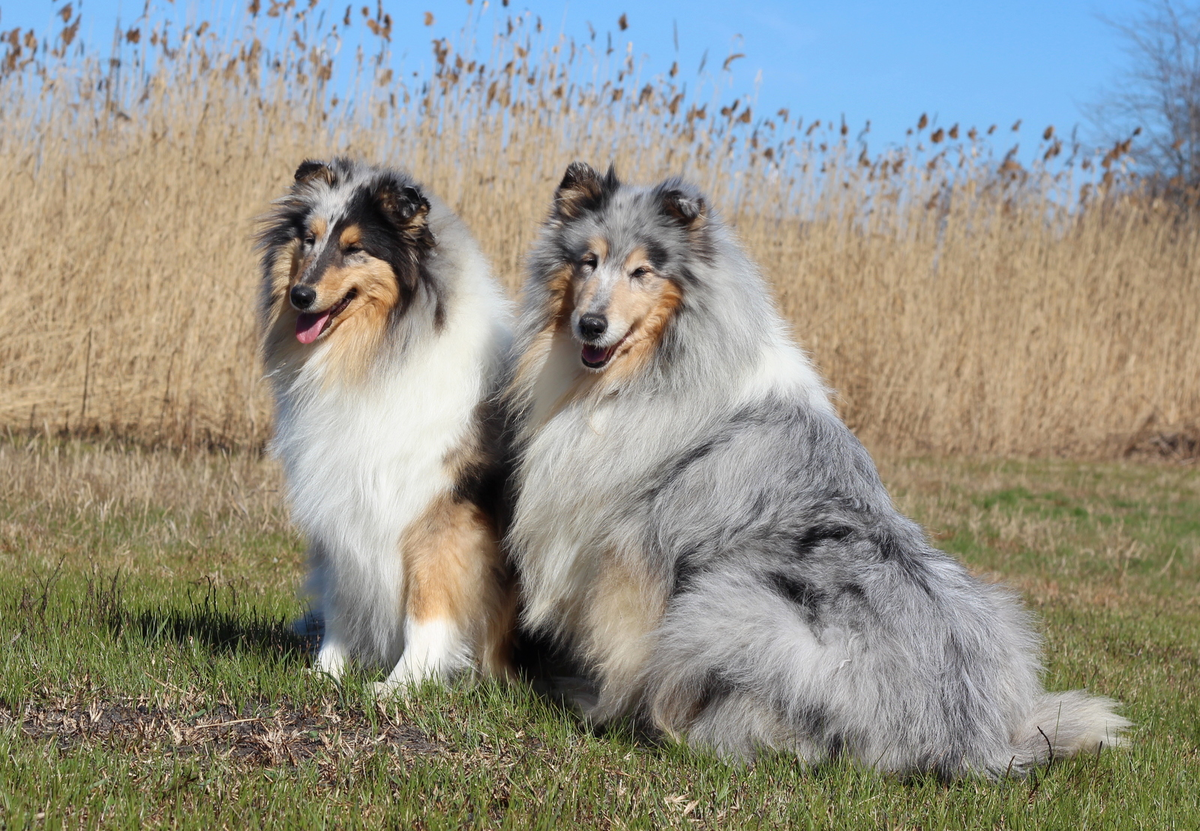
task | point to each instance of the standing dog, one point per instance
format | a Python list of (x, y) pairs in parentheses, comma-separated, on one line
[(697, 524), (385, 341)]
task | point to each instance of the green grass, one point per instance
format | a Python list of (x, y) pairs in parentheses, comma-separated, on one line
[(151, 677)]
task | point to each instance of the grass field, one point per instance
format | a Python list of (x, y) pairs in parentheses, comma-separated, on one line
[(961, 303), (150, 676)]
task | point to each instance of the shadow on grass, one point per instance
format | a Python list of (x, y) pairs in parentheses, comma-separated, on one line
[(215, 619), (227, 632)]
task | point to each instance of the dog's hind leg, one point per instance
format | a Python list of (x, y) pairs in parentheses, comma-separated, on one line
[(740, 726), (621, 625), (498, 597), (434, 648), (459, 606)]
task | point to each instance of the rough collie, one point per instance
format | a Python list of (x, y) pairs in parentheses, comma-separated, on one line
[(695, 522), (385, 342)]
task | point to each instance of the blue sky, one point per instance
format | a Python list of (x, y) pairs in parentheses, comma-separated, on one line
[(968, 63)]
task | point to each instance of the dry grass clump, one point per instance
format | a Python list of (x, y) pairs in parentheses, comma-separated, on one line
[(959, 301), (110, 478)]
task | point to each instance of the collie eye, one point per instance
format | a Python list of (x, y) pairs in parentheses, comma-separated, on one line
[(309, 241), (589, 261), (640, 272), (351, 251)]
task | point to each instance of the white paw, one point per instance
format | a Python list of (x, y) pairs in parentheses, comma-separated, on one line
[(331, 660), (319, 674), (389, 690), (432, 649)]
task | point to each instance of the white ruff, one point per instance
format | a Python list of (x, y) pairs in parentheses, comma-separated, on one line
[(586, 460), (784, 367), (364, 460)]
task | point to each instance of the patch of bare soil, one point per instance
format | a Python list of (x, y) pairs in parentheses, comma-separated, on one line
[(278, 737)]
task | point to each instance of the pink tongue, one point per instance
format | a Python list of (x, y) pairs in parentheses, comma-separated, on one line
[(310, 326), (594, 354)]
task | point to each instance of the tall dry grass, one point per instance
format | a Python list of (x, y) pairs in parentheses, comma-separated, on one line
[(958, 301)]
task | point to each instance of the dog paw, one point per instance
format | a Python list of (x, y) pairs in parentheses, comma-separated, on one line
[(331, 660), (322, 675), (389, 691)]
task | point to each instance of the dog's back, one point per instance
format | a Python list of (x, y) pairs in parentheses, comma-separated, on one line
[(807, 614)]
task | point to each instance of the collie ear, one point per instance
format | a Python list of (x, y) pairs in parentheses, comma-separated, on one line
[(405, 206), (583, 189), (687, 209), (310, 170)]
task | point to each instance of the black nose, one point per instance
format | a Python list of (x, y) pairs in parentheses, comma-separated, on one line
[(593, 326), (303, 296)]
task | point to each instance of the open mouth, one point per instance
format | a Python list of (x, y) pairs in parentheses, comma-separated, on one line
[(311, 325), (597, 357)]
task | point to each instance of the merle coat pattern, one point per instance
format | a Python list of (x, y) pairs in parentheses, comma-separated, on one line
[(714, 545)]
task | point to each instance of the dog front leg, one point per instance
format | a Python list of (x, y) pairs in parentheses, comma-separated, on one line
[(331, 657)]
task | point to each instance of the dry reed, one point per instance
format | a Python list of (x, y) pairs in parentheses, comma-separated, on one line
[(960, 303)]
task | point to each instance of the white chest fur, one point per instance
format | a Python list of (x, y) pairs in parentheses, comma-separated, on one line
[(587, 462), (364, 461)]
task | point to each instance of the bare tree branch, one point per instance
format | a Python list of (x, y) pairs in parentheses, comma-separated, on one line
[(1158, 91)]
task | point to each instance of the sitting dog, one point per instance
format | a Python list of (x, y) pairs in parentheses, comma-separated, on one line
[(385, 340), (696, 524)]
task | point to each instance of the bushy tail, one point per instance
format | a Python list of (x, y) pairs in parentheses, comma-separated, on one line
[(1064, 725)]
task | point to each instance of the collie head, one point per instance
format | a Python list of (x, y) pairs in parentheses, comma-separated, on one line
[(638, 287), (345, 257)]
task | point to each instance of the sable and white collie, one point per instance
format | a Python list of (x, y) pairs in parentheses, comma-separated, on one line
[(712, 543), (385, 340)]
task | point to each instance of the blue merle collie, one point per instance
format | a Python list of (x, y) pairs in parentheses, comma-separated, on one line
[(696, 524), (385, 340)]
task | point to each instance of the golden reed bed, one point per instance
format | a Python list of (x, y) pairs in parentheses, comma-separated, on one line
[(958, 302)]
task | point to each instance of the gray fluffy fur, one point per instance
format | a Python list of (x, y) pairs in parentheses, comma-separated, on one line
[(792, 606)]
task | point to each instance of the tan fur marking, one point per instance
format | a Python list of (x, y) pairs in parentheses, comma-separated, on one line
[(558, 308), (599, 247), (352, 235), (318, 226), (279, 324), (635, 353), (636, 259), (356, 332), (359, 330), (454, 570), (623, 612), (460, 457)]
